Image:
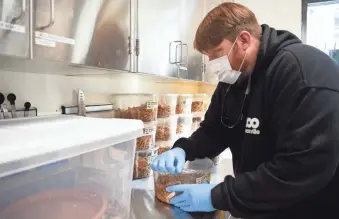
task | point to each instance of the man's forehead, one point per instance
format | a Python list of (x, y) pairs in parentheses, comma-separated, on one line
[(224, 45), (222, 49)]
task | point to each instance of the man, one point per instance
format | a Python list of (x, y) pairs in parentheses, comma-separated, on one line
[(277, 109)]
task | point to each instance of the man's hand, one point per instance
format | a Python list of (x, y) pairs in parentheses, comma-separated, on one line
[(193, 197), (172, 161)]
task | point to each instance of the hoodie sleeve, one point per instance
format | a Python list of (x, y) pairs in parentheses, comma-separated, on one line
[(207, 141), (307, 153)]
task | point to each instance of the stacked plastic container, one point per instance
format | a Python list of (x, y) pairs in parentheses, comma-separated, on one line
[(167, 122), (184, 114), (200, 105), (141, 107)]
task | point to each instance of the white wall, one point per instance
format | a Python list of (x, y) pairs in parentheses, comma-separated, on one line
[(280, 14), (48, 92)]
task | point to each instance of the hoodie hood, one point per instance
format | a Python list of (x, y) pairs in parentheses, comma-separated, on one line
[(271, 43)]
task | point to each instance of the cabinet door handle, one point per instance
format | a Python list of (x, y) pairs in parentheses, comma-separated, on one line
[(31, 29), (178, 42), (22, 12), (52, 16), (184, 61)]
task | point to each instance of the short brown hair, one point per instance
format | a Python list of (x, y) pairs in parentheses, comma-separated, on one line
[(225, 22)]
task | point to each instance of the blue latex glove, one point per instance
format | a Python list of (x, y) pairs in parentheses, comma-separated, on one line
[(193, 197), (172, 161)]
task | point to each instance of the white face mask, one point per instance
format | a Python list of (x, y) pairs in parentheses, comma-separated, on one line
[(223, 69)]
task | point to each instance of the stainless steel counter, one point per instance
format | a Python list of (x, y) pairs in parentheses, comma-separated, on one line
[(144, 205)]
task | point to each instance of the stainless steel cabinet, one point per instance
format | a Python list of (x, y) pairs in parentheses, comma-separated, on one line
[(192, 13), (157, 35), (94, 33), (165, 35), (14, 28)]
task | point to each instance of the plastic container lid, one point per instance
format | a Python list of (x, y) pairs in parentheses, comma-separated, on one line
[(32, 142), (204, 165)]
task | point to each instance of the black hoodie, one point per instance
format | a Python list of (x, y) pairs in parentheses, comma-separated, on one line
[(286, 146)]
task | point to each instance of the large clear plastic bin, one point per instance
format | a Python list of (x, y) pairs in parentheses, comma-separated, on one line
[(67, 167)]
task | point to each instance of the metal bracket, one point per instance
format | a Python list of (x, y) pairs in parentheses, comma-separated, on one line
[(81, 103), (137, 47), (129, 45), (74, 110)]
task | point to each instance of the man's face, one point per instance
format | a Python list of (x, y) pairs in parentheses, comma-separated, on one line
[(244, 49)]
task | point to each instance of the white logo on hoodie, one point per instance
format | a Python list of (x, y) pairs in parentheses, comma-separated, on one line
[(252, 125)]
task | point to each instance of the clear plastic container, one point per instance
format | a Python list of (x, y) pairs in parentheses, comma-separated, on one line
[(184, 124), (135, 106), (142, 164), (147, 141), (197, 118), (60, 160), (163, 146), (184, 104), (167, 105), (195, 172), (166, 128), (199, 103)]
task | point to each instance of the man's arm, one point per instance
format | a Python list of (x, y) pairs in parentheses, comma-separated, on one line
[(307, 151), (207, 141)]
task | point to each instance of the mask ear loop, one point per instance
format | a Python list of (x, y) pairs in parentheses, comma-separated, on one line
[(243, 61), (232, 46)]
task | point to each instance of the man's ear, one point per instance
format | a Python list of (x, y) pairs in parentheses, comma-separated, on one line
[(245, 39)]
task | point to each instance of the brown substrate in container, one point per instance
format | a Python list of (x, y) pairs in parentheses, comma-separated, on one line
[(162, 181), (164, 110), (197, 106), (139, 113), (163, 133), (141, 168), (144, 143)]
